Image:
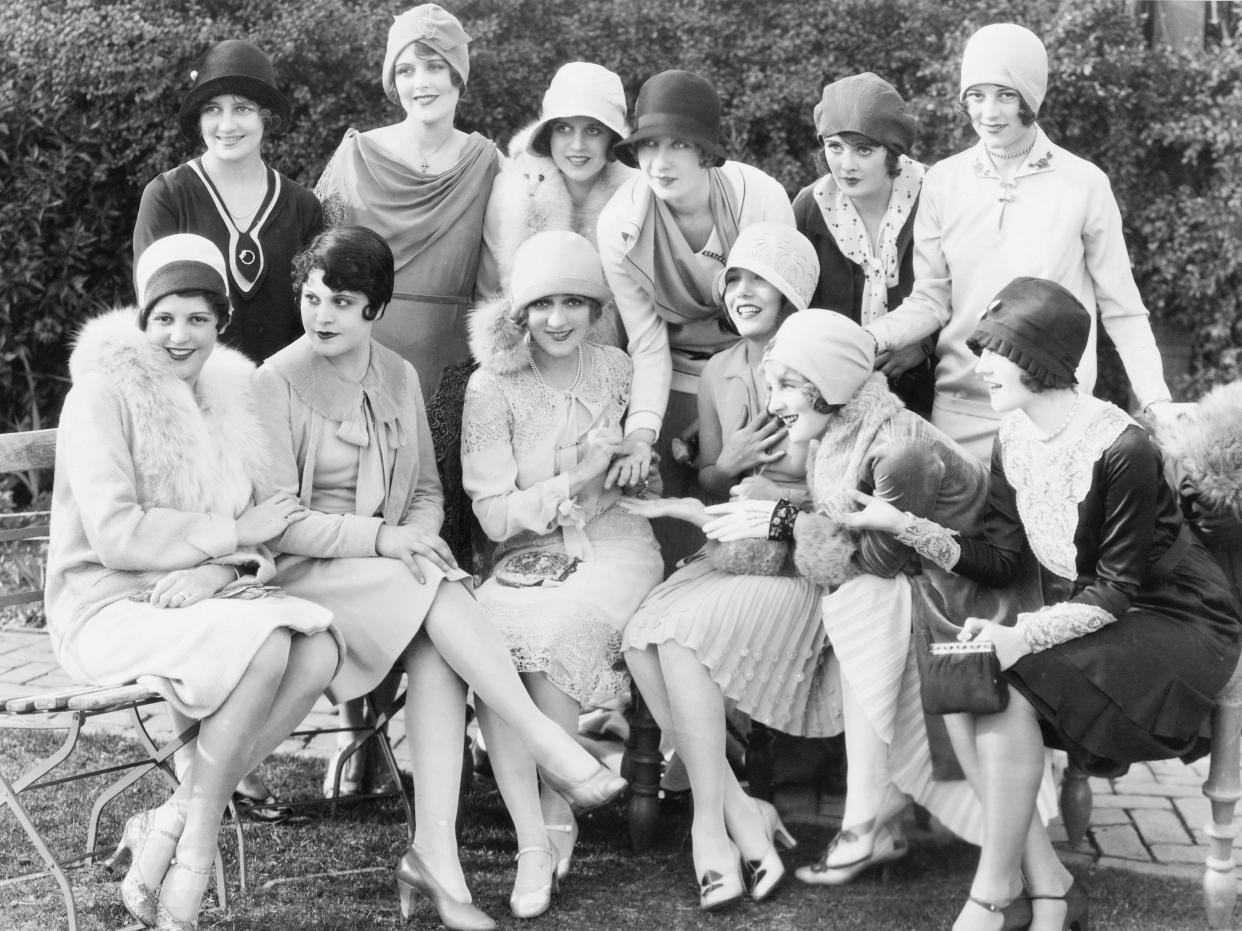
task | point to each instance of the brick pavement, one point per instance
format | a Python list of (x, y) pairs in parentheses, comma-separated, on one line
[(1151, 820)]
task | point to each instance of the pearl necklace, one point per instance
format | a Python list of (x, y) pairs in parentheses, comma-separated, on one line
[(1064, 423), (544, 385), (1021, 154)]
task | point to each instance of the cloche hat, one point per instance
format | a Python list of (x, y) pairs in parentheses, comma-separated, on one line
[(1038, 325), (434, 26), (867, 104), (680, 104), (1009, 55), (233, 66), (580, 88), (177, 263), (778, 254), (826, 348)]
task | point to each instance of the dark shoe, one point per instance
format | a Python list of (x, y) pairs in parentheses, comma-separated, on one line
[(1076, 906), (1015, 915)]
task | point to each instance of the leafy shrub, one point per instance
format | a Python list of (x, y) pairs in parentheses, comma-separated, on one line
[(89, 90)]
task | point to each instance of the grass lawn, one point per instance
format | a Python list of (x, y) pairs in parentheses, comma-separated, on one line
[(333, 875)]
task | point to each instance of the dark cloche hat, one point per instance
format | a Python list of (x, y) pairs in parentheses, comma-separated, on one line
[(675, 103), (233, 66), (1038, 325)]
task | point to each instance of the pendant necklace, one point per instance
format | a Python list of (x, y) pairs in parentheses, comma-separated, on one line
[(425, 165)]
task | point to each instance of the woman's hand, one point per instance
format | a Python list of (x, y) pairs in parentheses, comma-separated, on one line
[(1011, 646), (595, 457), (749, 444), (267, 519), (691, 510), (894, 362), (184, 587), (739, 520), (877, 514), (632, 464), (404, 543), (756, 487)]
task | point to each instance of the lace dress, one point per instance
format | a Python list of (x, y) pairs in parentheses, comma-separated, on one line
[(569, 572), (760, 636)]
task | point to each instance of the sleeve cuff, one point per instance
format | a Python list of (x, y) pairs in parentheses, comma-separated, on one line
[(216, 536)]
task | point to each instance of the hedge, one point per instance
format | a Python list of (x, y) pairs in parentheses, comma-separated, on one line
[(89, 90)]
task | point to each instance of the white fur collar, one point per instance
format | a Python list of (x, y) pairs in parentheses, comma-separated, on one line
[(1208, 442), (501, 344), (193, 449)]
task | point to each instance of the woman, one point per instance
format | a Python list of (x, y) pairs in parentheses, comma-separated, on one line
[(1138, 632), (1014, 204), (255, 215), (561, 171), (156, 565), (722, 628), (423, 185), (821, 385), (347, 417), (541, 423), (860, 217), (663, 239)]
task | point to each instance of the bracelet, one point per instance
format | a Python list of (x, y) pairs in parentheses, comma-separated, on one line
[(781, 524)]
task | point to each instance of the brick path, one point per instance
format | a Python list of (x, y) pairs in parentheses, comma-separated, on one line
[(1150, 821)]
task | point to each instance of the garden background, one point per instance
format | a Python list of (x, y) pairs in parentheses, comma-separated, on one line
[(89, 90)]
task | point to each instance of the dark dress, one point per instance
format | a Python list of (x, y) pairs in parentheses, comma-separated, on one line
[(1112, 547), (266, 318)]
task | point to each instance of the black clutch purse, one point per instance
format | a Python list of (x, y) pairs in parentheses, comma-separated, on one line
[(963, 677)]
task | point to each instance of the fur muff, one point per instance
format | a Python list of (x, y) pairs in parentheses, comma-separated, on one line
[(500, 343), (1208, 444), (824, 551), (749, 557), (192, 447), (529, 196)]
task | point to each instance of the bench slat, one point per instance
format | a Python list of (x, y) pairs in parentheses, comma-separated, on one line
[(119, 695), (20, 598), (24, 704), (33, 532), (33, 449)]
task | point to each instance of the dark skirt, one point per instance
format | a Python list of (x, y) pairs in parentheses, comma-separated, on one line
[(1141, 687)]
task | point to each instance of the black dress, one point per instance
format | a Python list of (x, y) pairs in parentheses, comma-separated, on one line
[(1139, 633)]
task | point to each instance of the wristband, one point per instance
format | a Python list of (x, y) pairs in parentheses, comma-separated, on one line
[(781, 524)]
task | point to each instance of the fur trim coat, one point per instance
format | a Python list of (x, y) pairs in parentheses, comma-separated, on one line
[(1207, 445), (150, 472), (529, 196)]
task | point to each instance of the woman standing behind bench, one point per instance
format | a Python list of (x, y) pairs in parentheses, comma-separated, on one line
[(156, 555)]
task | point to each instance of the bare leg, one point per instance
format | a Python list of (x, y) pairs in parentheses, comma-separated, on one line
[(435, 722), (470, 644)]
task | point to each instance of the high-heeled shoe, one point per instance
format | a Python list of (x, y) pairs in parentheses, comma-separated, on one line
[(166, 920), (1077, 905), (563, 837), (597, 789), (887, 847), (765, 874), (413, 876), (718, 890), (1015, 914), (139, 899), (352, 773), (534, 902)]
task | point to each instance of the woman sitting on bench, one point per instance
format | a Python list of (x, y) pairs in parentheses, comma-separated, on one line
[(156, 565)]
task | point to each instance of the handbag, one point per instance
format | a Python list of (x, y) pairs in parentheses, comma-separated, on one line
[(532, 568), (963, 677)]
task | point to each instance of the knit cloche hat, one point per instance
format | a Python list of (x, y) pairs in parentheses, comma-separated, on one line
[(434, 26), (680, 104), (580, 88), (778, 254), (233, 66), (1009, 55), (826, 348), (177, 263), (1038, 325), (867, 104)]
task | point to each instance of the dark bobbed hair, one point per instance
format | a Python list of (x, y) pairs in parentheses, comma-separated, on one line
[(541, 143), (725, 322), (216, 302), (352, 258), (892, 158)]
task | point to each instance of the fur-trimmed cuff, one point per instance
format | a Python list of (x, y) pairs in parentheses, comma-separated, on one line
[(824, 551), (1060, 622)]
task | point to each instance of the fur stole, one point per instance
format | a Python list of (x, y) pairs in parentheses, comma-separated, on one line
[(529, 196), (825, 550), (1207, 443), (193, 449), (499, 343)]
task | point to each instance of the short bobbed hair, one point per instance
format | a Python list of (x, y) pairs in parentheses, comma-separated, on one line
[(352, 258)]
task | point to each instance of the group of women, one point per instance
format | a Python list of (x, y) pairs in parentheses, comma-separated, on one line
[(664, 350)]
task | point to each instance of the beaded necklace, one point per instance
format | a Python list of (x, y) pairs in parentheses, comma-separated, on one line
[(1064, 423), (544, 385)]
